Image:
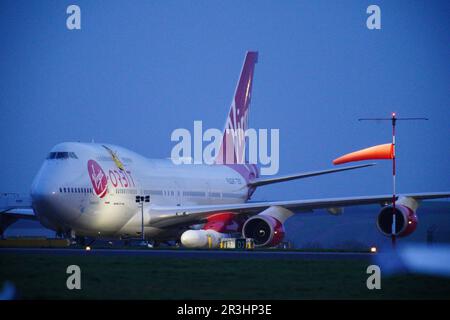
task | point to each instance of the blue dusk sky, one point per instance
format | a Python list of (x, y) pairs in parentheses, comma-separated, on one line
[(137, 70)]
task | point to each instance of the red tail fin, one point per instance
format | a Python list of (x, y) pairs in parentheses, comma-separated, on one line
[(232, 149)]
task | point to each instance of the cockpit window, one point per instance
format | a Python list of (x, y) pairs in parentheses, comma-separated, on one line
[(62, 155), (51, 155)]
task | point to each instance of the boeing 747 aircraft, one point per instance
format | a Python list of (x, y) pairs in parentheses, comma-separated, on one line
[(90, 189)]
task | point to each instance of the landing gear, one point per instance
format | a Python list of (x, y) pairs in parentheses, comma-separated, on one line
[(149, 244), (80, 241), (77, 240), (144, 243)]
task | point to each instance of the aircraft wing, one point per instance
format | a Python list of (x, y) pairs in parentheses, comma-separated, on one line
[(20, 213), (13, 207), (188, 215), (16, 206)]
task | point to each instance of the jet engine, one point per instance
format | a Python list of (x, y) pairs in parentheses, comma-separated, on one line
[(267, 228), (405, 218)]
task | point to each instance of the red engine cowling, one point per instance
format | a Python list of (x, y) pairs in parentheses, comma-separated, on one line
[(265, 230), (405, 218), (225, 222)]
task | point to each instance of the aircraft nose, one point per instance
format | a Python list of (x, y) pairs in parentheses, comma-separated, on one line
[(48, 202), (44, 184), (44, 191)]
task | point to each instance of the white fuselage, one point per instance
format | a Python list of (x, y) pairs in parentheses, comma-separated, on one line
[(101, 200)]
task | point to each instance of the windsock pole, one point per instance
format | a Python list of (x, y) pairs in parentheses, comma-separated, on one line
[(393, 120), (393, 232)]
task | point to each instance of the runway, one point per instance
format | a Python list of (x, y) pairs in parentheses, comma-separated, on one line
[(212, 254)]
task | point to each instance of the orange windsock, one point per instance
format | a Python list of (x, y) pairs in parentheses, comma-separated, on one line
[(381, 151)]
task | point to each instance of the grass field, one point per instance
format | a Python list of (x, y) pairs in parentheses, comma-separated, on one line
[(40, 276)]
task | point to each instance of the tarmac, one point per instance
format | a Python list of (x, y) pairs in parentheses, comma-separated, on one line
[(183, 253)]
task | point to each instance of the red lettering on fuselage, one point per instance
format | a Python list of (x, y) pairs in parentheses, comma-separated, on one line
[(113, 178), (120, 178)]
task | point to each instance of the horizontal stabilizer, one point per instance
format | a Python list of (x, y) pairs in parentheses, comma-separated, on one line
[(263, 181)]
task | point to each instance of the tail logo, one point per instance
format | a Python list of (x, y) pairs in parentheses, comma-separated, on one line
[(98, 178), (229, 147), (233, 145)]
